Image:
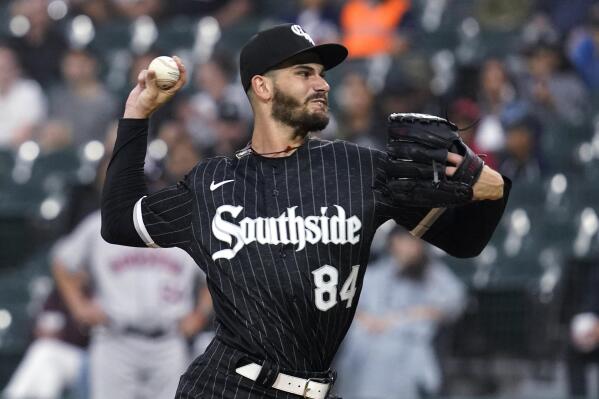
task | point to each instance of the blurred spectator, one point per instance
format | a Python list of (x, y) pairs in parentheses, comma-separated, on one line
[(370, 27), (496, 92), (54, 362), (318, 18), (41, 48), (214, 81), (551, 87), (584, 52), (143, 310), (54, 135), (406, 297), (521, 158), (496, 89), (465, 113), (82, 99), (22, 102), (356, 112)]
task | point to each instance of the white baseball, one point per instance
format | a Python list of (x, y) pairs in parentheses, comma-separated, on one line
[(167, 71)]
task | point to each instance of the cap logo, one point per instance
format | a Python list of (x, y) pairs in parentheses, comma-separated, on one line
[(298, 30)]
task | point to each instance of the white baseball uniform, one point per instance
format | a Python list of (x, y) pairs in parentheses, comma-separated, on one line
[(144, 292)]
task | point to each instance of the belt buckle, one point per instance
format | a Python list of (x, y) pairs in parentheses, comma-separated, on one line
[(319, 380)]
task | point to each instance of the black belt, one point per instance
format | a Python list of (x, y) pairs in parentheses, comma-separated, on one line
[(153, 334)]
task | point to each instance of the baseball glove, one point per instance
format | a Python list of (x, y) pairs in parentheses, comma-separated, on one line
[(418, 146)]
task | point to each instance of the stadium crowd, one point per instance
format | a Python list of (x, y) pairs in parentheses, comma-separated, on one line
[(519, 77)]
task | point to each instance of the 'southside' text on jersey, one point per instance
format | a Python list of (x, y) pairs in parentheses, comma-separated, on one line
[(288, 228)]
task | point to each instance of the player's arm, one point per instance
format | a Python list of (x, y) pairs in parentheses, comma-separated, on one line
[(193, 322), (464, 231), (71, 285), (129, 215), (461, 231), (70, 258)]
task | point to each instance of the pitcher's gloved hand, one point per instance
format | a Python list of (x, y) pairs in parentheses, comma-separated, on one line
[(429, 164)]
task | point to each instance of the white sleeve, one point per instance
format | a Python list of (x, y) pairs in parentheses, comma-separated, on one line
[(449, 292), (199, 273), (73, 250), (190, 264)]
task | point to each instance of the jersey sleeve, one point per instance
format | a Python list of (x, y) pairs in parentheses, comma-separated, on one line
[(163, 219), (73, 250), (461, 231), (131, 216), (125, 183)]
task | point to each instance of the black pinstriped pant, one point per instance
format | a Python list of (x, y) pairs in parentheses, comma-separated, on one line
[(212, 376)]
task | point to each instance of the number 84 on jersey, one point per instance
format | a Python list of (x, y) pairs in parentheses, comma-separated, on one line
[(326, 281)]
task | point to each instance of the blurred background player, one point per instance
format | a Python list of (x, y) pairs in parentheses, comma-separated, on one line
[(407, 297), (146, 304)]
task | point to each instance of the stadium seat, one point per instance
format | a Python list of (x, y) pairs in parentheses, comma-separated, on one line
[(4, 20), (50, 173), (561, 142), (13, 286), (6, 165), (54, 170), (7, 160), (497, 323), (15, 239), (524, 193)]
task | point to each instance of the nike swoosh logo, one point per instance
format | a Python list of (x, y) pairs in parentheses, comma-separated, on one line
[(214, 186)]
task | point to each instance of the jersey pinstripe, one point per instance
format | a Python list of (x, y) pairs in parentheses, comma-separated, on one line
[(267, 232)]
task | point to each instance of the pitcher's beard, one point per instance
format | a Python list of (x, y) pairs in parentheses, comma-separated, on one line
[(291, 112)]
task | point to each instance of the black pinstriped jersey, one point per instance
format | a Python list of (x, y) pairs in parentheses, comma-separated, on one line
[(284, 243)]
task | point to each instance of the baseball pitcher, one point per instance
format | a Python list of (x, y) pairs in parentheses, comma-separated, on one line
[(283, 228)]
